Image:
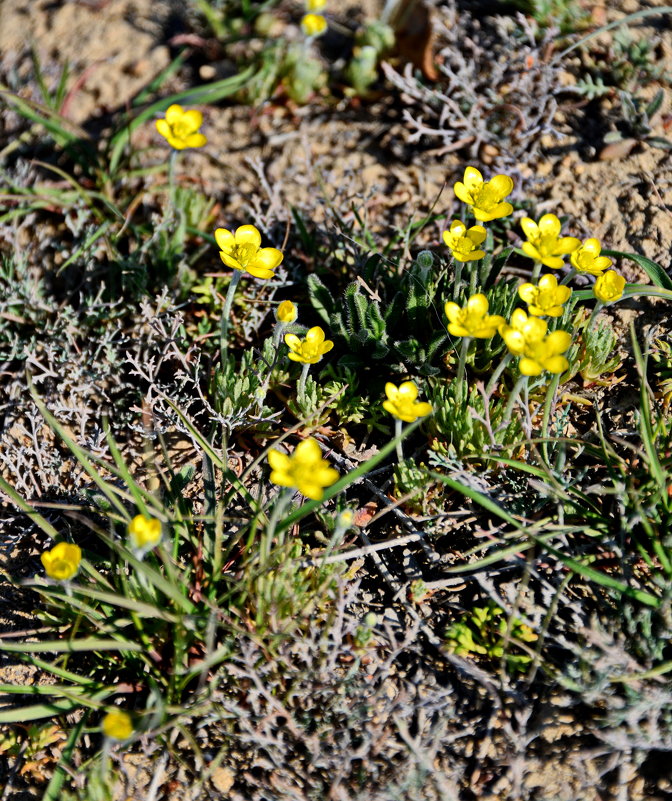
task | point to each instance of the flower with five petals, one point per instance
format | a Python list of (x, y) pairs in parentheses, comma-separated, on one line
[(403, 404), (522, 331), (544, 242), (473, 320), (609, 286), (587, 259), (304, 470), (62, 561), (180, 127), (486, 197), (242, 251), (547, 298), (465, 244), (311, 348)]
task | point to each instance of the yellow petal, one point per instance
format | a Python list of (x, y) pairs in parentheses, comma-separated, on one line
[(407, 391), (477, 234), (315, 335), (554, 262), (462, 193), (556, 364), (195, 140), (527, 292), (477, 304), (234, 264), (530, 228), (502, 185), (247, 235), (391, 391), (174, 114), (259, 272), (193, 118), (293, 342), (472, 179), (452, 311), (529, 250), (225, 240), (548, 281), (308, 451), (529, 367), (163, 128), (567, 244), (559, 341), (550, 225), (268, 258)]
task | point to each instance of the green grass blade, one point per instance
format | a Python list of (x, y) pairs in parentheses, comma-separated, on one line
[(655, 272), (35, 516), (69, 646)]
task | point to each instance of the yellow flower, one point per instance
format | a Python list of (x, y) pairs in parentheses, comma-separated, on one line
[(144, 532), (486, 197), (587, 259), (315, 5), (310, 349), (180, 127), (62, 561), (522, 331), (547, 298), (286, 312), (465, 243), (544, 242), (546, 354), (242, 251), (402, 402), (117, 725), (313, 24), (473, 320), (609, 286), (305, 469)]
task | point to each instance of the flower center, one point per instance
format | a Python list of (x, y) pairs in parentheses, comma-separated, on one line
[(244, 254), (485, 198), (181, 129)]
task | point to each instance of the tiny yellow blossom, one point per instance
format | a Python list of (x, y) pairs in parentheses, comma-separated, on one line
[(544, 242), (465, 244), (609, 286), (546, 354), (587, 259), (547, 298), (486, 197), (242, 251), (117, 725), (473, 320), (144, 532), (286, 312), (315, 5), (402, 402), (522, 331), (304, 469), (313, 24), (62, 561), (310, 349), (180, 127)]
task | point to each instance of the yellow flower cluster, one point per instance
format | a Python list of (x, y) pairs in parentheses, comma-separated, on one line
[(547, 298), (528, 338), (465, 244), (544, 242)]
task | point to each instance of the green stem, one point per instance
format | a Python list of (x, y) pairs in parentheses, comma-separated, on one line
[(172, 188), (302, 384), (513, 397), (494, 378), (463, 359), (598, 308), (281, 503), (397, 433), (457, 281), (551, 389), (536, 270), (226, 312), (568, 277)]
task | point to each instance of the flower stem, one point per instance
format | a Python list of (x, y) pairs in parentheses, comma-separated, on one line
[(397, 434), (551, 390), (463, 359), (172, 188), (494, 378), (302, 384), (279, 507), (457, 281), (598, 308), (568, 277), (513, 397), (536, 270), (226, 311)]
